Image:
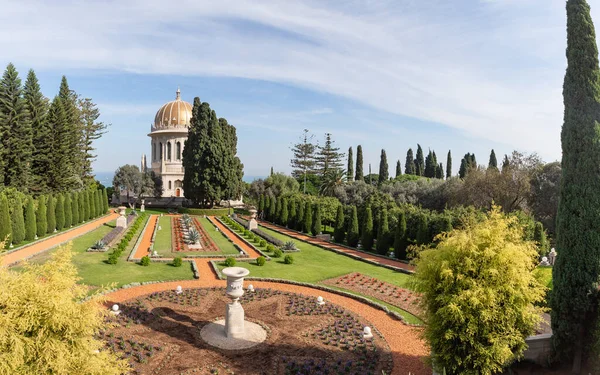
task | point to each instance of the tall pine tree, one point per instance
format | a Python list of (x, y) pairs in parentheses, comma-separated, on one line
[(60, 172), (328, 156), (15, 130), (384, 170), (91, 130), (75, 156), (360, 176), (350, 171), (409, 164), (42, 140), (576, 273), (303, 163)]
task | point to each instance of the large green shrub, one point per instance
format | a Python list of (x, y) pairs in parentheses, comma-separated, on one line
[(177, 262), (260, 261), (60, 212), (277, 253), (145, 261), (41, 223), (68, 211), (51, 214), (30, 220), (496, 268), (288, 259), (75, 209), (17, 221), (230, 261)]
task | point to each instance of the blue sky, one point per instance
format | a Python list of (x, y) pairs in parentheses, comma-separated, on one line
[(462, 75)]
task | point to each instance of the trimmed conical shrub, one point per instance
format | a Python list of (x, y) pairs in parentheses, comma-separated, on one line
[(339, 232), (92, 202), (353, 234), (284, 212), (51, 214), (41, 217), (316, 225), (383, 233), (367, 232), (5, 226), (17, 221), (99, 204), (307, 218), (30, 220), (75, 209), (300, 216), (86, 205), (400, 240), (60, 212), (104, 201), (423, 237), (292, 216), (81, 203), (68, 211)]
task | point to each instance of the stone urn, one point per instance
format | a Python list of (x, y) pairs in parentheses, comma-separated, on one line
[(122, 210), (234, 317), (122, 220)]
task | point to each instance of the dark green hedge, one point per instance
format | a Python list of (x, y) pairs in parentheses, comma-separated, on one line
[(207, 211)]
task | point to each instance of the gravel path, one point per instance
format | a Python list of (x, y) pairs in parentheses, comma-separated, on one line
[(247, 249), (146, 241), (315, 241), (44, 245)]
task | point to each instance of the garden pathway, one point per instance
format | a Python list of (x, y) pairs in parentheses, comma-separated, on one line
[(146, 241), (343, 249), (229, 233), (408, 350), (38, 247)]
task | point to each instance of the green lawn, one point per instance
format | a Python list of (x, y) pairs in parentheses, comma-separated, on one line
[(218, 238), (95, 272), (314, 264), (163, 240), (544, 274)]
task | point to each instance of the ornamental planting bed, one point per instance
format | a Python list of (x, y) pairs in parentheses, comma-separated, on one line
[(403, 298), (160, 333), (178, 239)]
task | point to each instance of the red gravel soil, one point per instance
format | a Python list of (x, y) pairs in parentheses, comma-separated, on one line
[(318, 242)]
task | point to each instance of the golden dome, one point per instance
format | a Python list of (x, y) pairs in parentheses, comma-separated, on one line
[(174, 114)]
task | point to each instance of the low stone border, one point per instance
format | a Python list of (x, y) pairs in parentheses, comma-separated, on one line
[(394, 268), (244, 239), (51, 236), (139, 239), (127, 286)]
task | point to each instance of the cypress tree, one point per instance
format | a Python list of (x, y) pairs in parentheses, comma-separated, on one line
[(51, 214), (422, 231), (5, 225), (384, 170), (339, 232), (272, 209), (398, 169), (261, 204), (462, 171), (284, 212), (350, 172), (92, 200), (74, 208), (60, 212), (439, 172), (400, 240), (41, 219), (353, 234), (576, 272), (267, 207), (539, 236), (17, 221), (449, 165), (307, 218), (409, 164), (419, 162), (68, 211), (86, 205), (279, 212), (359, 164), (493, 163), (383, 233), (367, 232), (300, 216), (30, 220), (99, 203), (104, 202), (316, 224), (15, 130), (430, 165), (81, 206), (291, 223), (37, 110), (505, 163), (271, 171)]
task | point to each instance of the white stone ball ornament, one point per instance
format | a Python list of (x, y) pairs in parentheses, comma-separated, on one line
[(115, 310), (179, 289), (367, 334), (251, 288), (320, 300)]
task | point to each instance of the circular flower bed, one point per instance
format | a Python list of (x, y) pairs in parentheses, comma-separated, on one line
[(160, 333)]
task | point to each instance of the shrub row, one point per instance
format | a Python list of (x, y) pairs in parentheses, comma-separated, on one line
[(113, 258), (208, 212), (268, 237), (241, 221)]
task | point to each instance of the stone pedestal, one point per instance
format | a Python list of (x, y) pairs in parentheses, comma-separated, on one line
[(234, 321), (142, 207), (122, 220), (252, 224)]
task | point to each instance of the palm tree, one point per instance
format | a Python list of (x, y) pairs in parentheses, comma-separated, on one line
[(332, 179)]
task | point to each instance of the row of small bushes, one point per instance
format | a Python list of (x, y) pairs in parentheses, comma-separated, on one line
[(114, 256), (241, 221), (207, 212), (268, 237)]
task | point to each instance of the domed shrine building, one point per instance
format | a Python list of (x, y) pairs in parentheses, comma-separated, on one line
[(168, 134)]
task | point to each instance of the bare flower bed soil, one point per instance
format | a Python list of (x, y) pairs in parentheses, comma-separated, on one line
[(160, 334), (178, 241), (405, 299)]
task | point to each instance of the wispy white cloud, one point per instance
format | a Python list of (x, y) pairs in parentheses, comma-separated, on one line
[(492, 69)]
